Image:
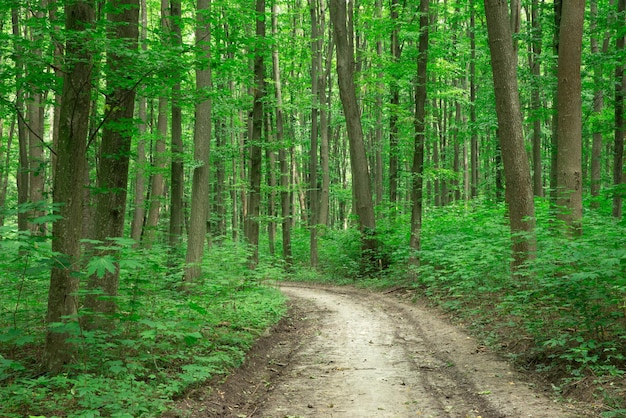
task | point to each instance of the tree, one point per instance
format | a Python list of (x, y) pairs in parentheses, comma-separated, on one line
[(519, 195), (417, 170), (117, 132), (201, 146), (620, 125), (285, 195), (254, 199), (68, 182), (364, 206), (569, 110)]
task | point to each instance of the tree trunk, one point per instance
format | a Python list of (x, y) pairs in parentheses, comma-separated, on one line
[(535, 100), (68, 185), (417, 171), (177, 183), (114, 153), (395, 105), (139, 211), (201, 147), (285, 172), (519, 194), (569, 122), (474, 129), (316, 59), (364, 207), (620, 90), (254, 199)]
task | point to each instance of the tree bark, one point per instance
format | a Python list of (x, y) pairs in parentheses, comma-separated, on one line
[(177, 186), (417, 170), (364, 206), (113, 164), (395, 104), (569, 110), (254, 198), (620, 90), (201, 147), (285, 172), (519, 195), (316, 58), (68, 185), (534, 62)]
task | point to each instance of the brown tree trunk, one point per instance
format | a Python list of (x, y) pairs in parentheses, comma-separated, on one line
[(254, 198), (139, 211), (474, 130), (285, 172), (68, 184), (395, 104), (201, 148), (519, 195), (316, 59), (417, 171), (364, 206), (620, 90), (157, 182), (114, 154), (534, 62), (177, 182), (569, 110), (325, 95)]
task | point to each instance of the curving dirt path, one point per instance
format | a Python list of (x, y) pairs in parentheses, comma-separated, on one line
[(352, 353)]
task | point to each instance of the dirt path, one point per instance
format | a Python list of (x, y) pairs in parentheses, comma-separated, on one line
[(351, 353)]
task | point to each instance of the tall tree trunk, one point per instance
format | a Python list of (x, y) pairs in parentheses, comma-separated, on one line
[(114, 152), (4, 182), (22, 134), (519, 195), (396, 52), (177, 186), (620, 126), (555, 103), (569, 124), (254, 199), (316, 58), (417, 170), (534, 62), (201, 147), (364, 206), (285, 172), (270, 165), (68, 184), (325, 96), (139, 211), (474, 130)]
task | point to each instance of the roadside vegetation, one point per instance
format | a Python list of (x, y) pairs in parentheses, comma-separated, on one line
[(164, 342), (562, 316)]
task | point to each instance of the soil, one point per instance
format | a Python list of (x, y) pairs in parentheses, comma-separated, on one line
[(344, 352)]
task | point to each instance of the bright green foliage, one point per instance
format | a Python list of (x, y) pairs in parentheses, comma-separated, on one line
[(163, 343)]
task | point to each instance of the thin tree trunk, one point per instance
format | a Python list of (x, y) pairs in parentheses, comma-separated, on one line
[(254, 199), (620, 126), (316, 58), (177, 183), (4, 183), (417, 170), (139, 212), (534, 62), (396, 52), (285, 172), (474, 130)]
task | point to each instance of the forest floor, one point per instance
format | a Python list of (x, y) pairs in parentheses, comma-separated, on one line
[(344, 352)]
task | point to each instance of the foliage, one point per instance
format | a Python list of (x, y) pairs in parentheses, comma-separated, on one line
[(163, 342)]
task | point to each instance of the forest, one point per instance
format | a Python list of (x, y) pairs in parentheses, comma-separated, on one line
[(163, 161)]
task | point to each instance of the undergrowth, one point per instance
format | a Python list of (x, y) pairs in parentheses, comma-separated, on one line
[(164, 342)]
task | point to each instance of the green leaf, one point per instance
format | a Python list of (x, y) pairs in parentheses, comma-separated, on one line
[(100, 265)]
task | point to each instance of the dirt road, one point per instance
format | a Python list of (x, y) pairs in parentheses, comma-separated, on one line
[(351, 353)]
